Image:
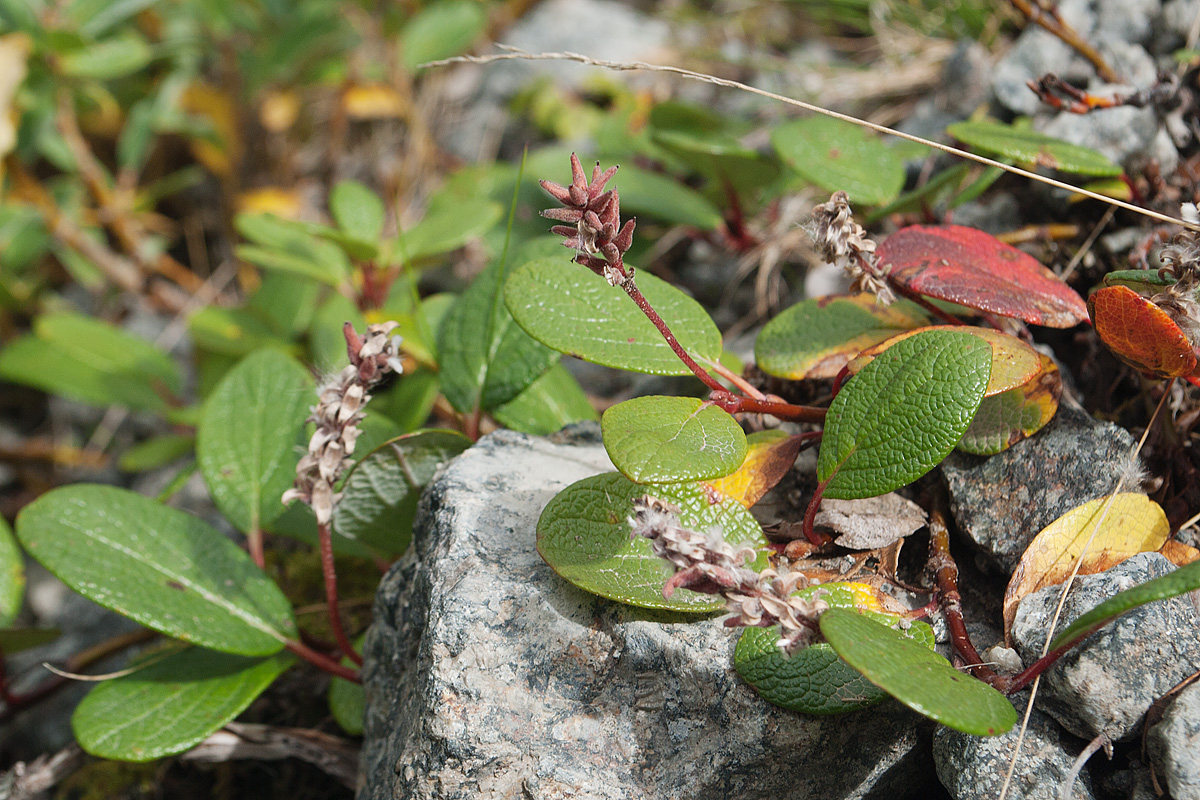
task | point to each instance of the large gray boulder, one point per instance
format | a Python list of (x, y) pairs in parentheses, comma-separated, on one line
[(489, 676)]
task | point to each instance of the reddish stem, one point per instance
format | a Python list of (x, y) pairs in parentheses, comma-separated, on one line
[(734, 404), (325, 536), (322, 661), (254, 544), (636, 295), (920, 300), (810, 515)]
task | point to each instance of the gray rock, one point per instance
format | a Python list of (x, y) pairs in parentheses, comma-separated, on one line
[(1107, 684), (1174, 745), (1002, 502), (1036, 52), (974, 767), (1128, 136), (487, 675)]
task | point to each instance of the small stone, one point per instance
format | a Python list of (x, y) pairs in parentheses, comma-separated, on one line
[(974, 767), (1107, 684), (488, 675), (1002, 502), (1174, 745)]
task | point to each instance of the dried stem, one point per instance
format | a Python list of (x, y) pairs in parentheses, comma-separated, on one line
[(1051, 21)]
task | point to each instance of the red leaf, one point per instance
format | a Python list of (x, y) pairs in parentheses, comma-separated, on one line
[(977, 270), (1140, 333)]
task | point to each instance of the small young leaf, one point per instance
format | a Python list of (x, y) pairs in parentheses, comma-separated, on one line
[(814, 680), (1133, 524), (1140, 333), (379, 496), (288, 247), (247, 439), (552, 401), (171, 704), (583, 534), (837, 155), (487, 359), (903, 413), (1184, 579), (163, 568), (1007, 418), (1032, 147), (12, 576), (672, 439), (357, 210), (916, 676), (816, 337), (977, 270), (575, 311), (1014, 363), (116, 57)]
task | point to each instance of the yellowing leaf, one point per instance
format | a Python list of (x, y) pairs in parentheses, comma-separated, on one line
[(221, 152), (279, 110), (285, 203), (769, 456), (1178, 553), (373, 101), (870, 598), (14, 51), (1133, 524)]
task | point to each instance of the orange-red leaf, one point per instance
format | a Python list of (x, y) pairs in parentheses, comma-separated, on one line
[(1014, 363), (1140, 333), (977, 270)]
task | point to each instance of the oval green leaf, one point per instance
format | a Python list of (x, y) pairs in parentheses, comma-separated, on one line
[(814, 680), (645, 192), (575, 311), (12, 576), (1033, 148), (1007, 418), (158, 566), (916, 676), (379, 496), (248, 437), (357, 210), (672, 439), (903, 413), (171, 704), (817, 337), (583, 534), (837, 155), (440, 31), (552, 401)]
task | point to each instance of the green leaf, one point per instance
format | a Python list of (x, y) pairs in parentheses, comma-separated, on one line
[(583, 534), (123, 54), (172, 703), (1185, 579), (817, 337), (903, 413), (157, 451), (14, 640), (440, 31), (575, 311), (287, 247), (410, 400), (91, 361), (486, 359), (552, 401), (358, 211), (158, 566), (1031, 147), (457, 214), (672, 439), (247, 443), (103, 15), (347, 700), (287, 302), (379, 496), (813, 680), (12, 576), (645, 192), (233, 331), (838, 155), (916, 676)]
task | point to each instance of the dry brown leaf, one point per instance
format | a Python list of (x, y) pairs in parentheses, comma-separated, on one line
[(1133, 524), (872, 522)]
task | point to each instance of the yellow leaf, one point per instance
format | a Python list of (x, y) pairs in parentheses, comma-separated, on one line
[(223, 151), (769, 455), (373, 101), (279, 110), (1133, 524), (14, 52), (284, 203)]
